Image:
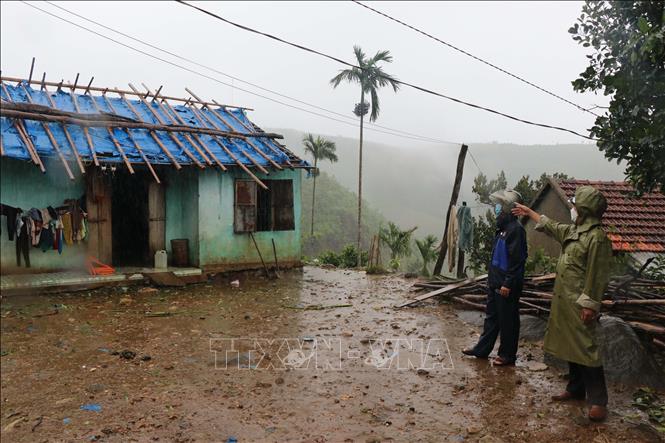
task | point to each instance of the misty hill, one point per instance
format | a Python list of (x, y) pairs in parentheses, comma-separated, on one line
[(336, 219), (411, 183)]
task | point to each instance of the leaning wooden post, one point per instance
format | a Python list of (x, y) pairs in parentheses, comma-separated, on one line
[(171, 135), (453, 200), (50, 136)]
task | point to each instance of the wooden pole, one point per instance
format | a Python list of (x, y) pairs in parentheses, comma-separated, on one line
[(152, 133), (116, 90), (265, 268), (460, 263), (51, 138), (32, 67), (453, 201), (2, 146), (251, 131), (23, 135), (86, 132), (178, 120), (228, 152), (274, 252), (70, 140), (171, 135)]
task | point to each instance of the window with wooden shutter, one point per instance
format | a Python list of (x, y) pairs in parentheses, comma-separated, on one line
[(282, 205), (244, 218)]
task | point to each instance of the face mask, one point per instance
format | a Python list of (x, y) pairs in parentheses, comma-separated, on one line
[(497, 209), (573, 214)]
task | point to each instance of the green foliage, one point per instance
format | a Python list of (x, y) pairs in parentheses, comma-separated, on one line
[(528, 188), (336, 216), (627, 63), (371, 77), (427, 249), (647, 400), (347, 258), (482, 188), (397, 240), (484, 229), (656, 269), (538, 262)]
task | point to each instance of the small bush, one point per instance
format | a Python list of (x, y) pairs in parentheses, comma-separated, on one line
[(329, 258), (349, 257)]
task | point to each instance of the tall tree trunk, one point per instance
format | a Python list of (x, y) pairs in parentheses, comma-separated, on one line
[(360, 175), (311, 234)]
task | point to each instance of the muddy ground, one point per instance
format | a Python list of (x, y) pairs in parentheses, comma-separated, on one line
[(60, 352)]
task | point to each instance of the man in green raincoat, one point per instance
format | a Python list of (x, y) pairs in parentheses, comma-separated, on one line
[(582, 276)]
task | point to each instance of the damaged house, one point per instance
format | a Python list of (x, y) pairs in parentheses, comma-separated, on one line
[(634, 224), (118, 175)]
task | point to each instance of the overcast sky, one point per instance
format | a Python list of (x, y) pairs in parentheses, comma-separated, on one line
[(528, 38)]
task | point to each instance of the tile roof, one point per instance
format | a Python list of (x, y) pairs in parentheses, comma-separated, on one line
[(633, 224)]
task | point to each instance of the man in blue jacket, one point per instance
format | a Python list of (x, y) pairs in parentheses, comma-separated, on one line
[(505, 281)]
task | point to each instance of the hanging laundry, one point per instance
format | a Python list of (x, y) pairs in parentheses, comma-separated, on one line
[(67, 228), (46, 238), (46, 216), (11, 213), (465, 225), (453, 233), (23, 241)]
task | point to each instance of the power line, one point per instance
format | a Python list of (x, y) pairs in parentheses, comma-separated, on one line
[(515, 76), (410, 85), (234, 77), (417, 138)]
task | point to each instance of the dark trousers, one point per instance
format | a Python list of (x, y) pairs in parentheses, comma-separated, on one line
[(589, 382), (23, 246), (502, 320)]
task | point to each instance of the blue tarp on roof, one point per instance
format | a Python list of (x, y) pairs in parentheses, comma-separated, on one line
[(225, 119)]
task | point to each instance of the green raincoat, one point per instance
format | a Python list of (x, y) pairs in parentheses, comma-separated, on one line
[(582, 276)]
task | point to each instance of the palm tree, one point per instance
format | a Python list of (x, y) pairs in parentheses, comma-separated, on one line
[(371, 77), (398, 241), (320, 149), (427, 251)]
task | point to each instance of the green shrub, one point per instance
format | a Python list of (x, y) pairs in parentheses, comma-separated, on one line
[(329, 258), (349, 257)]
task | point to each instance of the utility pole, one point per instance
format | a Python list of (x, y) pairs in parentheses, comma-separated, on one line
[(453, 202)]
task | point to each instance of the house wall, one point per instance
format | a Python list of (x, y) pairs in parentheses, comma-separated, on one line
[(182, 209), (551, 206), (219, 246), (23, 185)]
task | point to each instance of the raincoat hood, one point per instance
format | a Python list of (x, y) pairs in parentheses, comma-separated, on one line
[(590, 204)]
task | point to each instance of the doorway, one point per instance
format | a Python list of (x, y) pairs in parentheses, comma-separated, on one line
[(130, 214)]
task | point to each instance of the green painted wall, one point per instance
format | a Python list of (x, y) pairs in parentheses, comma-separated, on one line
[(182, 208), (218, 244), (23, 185)]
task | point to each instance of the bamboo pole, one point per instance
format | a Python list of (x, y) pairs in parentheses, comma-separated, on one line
[(196, 137), (251, 143), (249, 157), (173, 137), (131, 137), (86, 132), (252, 131), (51, 138), (2, 146), (116, 90), (115, 142), (23, 135), (228, 152), (72, 145), (177, 120), (152, 133)]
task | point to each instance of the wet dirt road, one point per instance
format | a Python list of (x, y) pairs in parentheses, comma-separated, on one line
[(308, 368)]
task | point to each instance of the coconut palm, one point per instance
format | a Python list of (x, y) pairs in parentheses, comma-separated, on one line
[(398, 241), (320, 149), (371, 77), (427, 250)]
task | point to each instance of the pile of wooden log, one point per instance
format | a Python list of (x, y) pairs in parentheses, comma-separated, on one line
[(638, 301)]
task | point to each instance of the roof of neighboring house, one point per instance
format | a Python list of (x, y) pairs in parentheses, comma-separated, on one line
[(633, 224), (145, 128)]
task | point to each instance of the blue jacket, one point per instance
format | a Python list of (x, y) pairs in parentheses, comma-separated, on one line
[(509, 255)]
